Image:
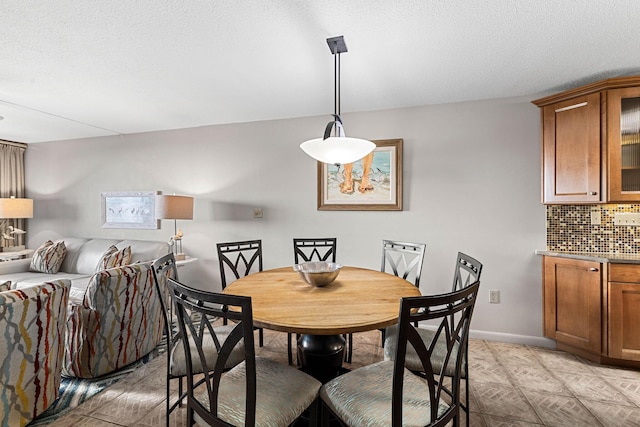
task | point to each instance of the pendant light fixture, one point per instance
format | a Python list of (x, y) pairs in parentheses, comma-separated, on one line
[(337, 149)]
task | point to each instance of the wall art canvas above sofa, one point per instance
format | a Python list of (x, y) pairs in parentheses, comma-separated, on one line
[(129, 209)]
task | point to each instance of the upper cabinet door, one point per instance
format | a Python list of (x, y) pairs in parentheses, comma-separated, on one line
[(623, 137), (571, 151)]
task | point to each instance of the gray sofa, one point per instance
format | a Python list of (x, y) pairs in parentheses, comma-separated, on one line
[(114, 316), (80, 262)]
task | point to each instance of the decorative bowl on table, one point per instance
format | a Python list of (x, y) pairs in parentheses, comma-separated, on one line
[(318, 273)]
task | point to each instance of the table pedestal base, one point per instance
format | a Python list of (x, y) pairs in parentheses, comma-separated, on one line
[(321, 355)]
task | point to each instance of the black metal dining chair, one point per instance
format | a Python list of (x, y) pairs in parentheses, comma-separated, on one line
[(403, 259), (239, 259), (315, 249), (164, 268), (258, 391), (467, 270), (307, 250), (387, 393)]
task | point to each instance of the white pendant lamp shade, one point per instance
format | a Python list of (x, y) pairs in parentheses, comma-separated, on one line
[(337, 149)]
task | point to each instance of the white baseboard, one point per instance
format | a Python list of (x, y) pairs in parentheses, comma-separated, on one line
[(510, 338)]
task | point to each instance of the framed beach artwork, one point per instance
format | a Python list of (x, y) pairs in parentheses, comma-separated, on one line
[(129, 209), (370, 184)]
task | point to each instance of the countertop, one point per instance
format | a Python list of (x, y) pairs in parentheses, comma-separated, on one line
[(593, 256)]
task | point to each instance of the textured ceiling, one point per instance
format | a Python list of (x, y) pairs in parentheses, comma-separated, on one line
[(76, 68)]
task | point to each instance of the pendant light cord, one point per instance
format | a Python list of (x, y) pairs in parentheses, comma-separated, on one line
[(336, 84)]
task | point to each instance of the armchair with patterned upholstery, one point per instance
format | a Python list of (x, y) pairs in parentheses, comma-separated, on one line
[(118, 322), (32, 324)]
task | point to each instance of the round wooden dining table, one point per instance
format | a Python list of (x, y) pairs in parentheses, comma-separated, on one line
[(358, 300)]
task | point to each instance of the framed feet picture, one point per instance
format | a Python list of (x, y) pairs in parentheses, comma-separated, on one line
[(372, 183)]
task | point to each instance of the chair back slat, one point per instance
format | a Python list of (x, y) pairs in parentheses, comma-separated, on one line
[(317, 249), (452, 313), (403, 259), (239, 259), (197, 310)]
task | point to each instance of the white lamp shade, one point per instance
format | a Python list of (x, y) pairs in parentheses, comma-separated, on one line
[(16, 208), (174, 207), (337, 149)]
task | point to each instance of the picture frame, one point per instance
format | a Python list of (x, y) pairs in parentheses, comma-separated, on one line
[(384, 181), (129, 209)]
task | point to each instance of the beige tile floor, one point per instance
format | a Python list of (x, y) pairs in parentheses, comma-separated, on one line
[(511, 385)]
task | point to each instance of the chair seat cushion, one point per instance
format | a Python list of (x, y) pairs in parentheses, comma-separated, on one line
[(363, 397), (412, 361), (282, 394), (178, 364)]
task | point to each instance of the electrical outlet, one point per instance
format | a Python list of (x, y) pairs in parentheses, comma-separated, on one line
[(596, 217), (494, 297), (627, 218), (257, 212)]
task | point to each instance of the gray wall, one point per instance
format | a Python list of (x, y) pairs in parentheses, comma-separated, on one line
[(471, 184)]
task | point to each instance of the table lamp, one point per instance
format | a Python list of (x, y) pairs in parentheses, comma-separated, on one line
[(175, 208), (13, 208)]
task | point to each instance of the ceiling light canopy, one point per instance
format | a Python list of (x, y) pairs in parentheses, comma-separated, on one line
[(337, 149)]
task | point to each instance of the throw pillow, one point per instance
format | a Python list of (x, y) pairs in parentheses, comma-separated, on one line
[(48, 257), (6, 286), (107, 258), (114, 258)]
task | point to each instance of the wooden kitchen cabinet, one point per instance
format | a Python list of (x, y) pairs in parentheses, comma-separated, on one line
[(571, 150), (592, 309), (624, 311), (591, 143), (572, 293), (623, 137)]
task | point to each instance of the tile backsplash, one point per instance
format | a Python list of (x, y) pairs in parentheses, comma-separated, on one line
[(569, 229)]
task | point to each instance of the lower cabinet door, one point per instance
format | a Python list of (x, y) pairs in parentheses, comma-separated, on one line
[(624, 320), (572, 302)]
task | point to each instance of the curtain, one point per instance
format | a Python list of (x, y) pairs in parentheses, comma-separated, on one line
[(12, 181)]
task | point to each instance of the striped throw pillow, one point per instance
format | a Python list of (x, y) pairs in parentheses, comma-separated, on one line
[(48, 257), (114, 258)]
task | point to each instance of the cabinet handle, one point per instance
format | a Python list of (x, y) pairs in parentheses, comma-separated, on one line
[(594, 193), (593, 269), (571, 107)]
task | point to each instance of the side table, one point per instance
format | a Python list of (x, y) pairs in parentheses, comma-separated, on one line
[(187, 260), (11, 256)]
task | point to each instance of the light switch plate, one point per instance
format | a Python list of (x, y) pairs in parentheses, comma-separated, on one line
[(494, 297), (596, 218)]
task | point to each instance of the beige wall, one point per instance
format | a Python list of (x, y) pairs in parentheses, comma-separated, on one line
[(472, 184)]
